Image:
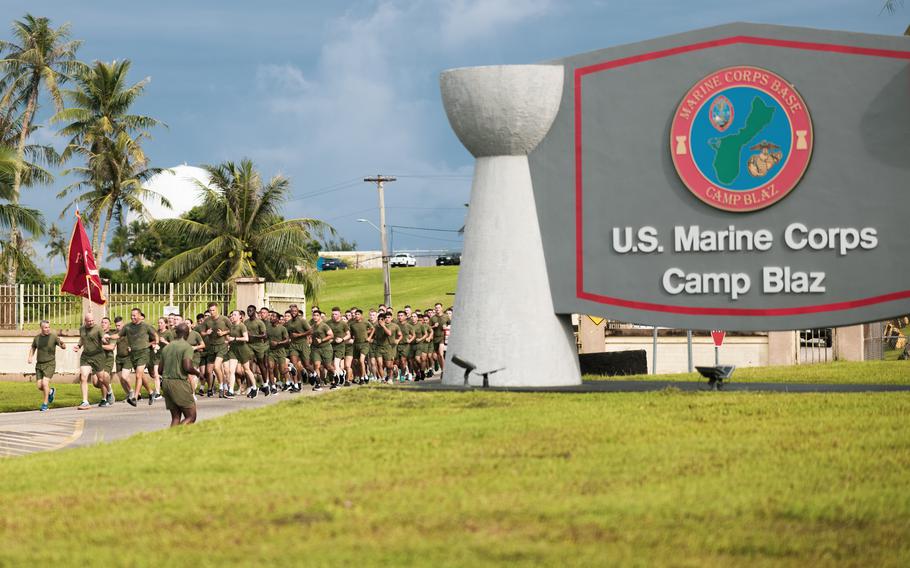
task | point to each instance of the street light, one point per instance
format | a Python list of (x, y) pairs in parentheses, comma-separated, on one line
[(386, 275), (370, 223)]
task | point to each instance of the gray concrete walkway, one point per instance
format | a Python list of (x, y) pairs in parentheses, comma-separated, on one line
[(24, 433)]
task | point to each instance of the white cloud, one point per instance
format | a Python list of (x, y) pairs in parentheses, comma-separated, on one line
[(370, 104), (469, 20)]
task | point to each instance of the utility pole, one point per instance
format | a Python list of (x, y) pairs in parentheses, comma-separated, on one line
[(380, 180)]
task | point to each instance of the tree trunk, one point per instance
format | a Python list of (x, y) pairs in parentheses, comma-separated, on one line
[(13, 268), (107, 223)]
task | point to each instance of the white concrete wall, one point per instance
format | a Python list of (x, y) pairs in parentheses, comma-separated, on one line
[(672, 353), (14, 351)]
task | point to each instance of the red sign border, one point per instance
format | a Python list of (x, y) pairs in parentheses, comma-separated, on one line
[(701, 311)]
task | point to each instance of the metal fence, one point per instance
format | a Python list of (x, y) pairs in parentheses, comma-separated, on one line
[(23, 306)]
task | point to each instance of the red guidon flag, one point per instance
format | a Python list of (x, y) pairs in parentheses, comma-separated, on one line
[(82, 278)]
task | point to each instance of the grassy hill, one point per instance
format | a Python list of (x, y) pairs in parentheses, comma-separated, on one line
[(390, 477), (418, 287)]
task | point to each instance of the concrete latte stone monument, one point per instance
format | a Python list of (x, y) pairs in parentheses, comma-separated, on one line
[(743, 177)]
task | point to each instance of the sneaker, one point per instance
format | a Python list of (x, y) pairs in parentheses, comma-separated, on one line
[(210, 393), (43, 407), (274, 389), (129, 395), (317, 387), (131, 401), (346, 383), (285, 386), (104, 404), (228, 394), (265, 390), (253, 392), (201, 391), (84, 406), (157, 395), (110, 397), (152, 398), (333, 387), (430, 373), (50, 397)]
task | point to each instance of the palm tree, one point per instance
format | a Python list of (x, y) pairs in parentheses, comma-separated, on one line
[(120, 244), (40, 55), (103, 131), (113, 183), (36, 156), (56, 243), (12, 214), (242, 232)]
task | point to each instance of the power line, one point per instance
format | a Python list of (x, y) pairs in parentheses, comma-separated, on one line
[(435, 176), (426, 237), (426, 229), (426, 208), (328, 189)]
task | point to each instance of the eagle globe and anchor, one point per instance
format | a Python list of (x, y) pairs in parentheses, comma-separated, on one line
[(741, 138)]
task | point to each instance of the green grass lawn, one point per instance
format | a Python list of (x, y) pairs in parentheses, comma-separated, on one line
[(390, 477), (17, 396), (418, 287), (837, 372)]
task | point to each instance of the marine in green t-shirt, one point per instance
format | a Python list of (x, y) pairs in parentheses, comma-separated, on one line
[(341, 334), (172, 357), (44, 346), (141, 336), (299, 330), (175, 366), (216, 328)]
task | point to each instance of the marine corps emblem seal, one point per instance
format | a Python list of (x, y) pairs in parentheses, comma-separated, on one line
[(741, 139)]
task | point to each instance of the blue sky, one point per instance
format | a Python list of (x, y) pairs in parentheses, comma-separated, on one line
[(329, 92)]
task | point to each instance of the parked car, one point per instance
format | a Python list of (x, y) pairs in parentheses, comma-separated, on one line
[(450, 259), (403, 259), (333, 264)]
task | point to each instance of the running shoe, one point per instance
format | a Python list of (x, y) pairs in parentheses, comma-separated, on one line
[(151, 399), (210, 393), (333, 386), (84, 406), (346, 383), (317, 387), (274, 389), (104, 404), (228, 394), (43, 407), (110, 397), (252, 394), (430, 373), (285, 386), (131, 401), (50, 397), (265, 390)]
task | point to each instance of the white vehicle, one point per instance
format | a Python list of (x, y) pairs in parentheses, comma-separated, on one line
[(402, 259)]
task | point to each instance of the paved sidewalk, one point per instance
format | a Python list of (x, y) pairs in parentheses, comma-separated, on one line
[(29, 432)]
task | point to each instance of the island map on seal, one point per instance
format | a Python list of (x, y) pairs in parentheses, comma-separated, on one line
[(728, 149)]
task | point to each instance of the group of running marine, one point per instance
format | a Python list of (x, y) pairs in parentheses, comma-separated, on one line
[(260, 351)]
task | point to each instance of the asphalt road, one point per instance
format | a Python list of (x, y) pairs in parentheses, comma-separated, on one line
[(28, 432)]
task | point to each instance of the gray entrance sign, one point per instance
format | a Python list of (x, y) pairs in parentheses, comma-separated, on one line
[(626, 235)]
